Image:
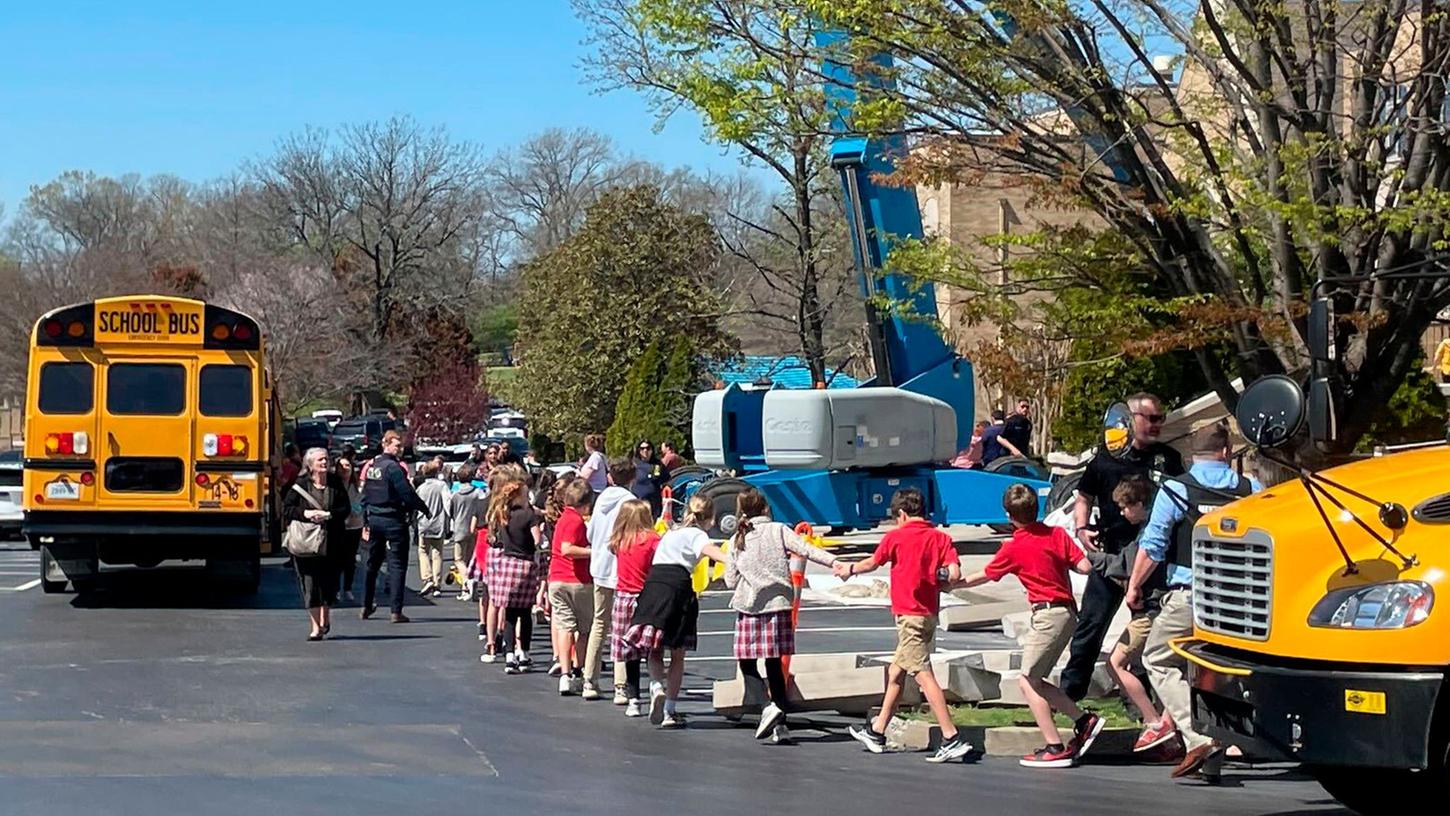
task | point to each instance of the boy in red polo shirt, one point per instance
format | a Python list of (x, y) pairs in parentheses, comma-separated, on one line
[(916, 551), (1040, 557)]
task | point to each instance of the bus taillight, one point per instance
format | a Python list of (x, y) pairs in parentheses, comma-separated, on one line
[(68, 444), (224, 445)]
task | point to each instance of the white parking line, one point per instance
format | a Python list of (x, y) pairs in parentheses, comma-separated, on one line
[(27, 585), (825, 607), (816, 629)]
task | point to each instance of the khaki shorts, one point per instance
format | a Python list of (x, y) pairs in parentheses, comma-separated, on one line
[(1049, 634), (573, 606), (1135, 637), (915, 640)]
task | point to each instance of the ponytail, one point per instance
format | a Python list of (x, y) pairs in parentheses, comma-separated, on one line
[(699, 512), (749, 504)]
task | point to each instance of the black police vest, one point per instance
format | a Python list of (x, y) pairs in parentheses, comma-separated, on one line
[(1201, 501), (378, 492)]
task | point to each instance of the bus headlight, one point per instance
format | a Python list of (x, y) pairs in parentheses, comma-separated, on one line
[(1395, 605)]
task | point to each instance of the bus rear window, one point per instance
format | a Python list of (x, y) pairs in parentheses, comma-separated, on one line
[(148, 389), (66, 388), (225, 391)]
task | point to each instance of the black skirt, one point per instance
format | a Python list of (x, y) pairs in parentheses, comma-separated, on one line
[(668, 605), (317, 579)]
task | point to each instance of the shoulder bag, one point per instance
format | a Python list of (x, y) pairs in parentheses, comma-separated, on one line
[(305, 539)]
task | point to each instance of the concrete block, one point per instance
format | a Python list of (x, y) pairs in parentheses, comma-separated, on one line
[(961, 675), (977, 616), (1014, 624), (912, 735)]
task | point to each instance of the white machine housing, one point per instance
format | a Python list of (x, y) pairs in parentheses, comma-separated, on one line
[(855, 427), (707, 433)]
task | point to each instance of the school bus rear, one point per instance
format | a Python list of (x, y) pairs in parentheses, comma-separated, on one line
[(147, 438)]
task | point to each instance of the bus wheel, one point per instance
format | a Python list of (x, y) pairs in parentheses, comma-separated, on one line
[(49, 568)]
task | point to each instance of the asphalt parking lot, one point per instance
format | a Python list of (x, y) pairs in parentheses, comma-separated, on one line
[(160, 695)]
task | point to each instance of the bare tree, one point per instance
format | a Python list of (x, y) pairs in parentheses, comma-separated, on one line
[(392, 208)]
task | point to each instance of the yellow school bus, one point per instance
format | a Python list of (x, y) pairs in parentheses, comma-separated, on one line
[(151, 434)]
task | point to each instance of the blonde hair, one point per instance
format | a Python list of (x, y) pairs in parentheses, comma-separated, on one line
[(632, 522), (699, 512)]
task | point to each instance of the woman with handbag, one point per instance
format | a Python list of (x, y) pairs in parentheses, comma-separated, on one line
[(316, 508)]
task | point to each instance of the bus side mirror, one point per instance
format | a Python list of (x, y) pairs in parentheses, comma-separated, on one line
[(1324, 388), (1118, 428), (1271, 411), (1321, 330)]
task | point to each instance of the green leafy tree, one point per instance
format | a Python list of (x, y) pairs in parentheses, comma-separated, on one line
[(638, 413), (749, 70), (1301, 142), (633, 275)]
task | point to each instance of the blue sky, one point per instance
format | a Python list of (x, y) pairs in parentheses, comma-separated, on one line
[(196, 88)]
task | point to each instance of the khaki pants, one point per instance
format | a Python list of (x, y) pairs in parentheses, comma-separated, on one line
[(462, 553), (430, 560), (1167, 670), (599, 635)]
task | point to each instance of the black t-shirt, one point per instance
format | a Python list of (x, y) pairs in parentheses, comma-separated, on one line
[(1104, 472), (518, 535), (1018, 430)]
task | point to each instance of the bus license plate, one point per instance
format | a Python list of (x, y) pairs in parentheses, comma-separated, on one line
[(63, 490)]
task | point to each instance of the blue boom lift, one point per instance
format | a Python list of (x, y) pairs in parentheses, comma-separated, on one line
[(836, 457)]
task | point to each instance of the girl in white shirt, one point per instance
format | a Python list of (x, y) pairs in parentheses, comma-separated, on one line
[(667, 613)]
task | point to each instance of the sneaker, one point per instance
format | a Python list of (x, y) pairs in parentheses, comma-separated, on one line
[(367, 611), (347, 596), (953, 749), (576, 686), (780, 735), (1047, 757), (399, 617), (428, 587), (590, 691), (621, 696), (675, 720), (524, 663), (483, 632), (656, 703), (1085, 731), (634, 709), (565, 688), (867, 736), (769, 719), (488, 657), (511, 665), (555, 669), (1154, 736), (436, 593)]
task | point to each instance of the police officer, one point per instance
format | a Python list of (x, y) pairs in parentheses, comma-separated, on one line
[(388, 503)]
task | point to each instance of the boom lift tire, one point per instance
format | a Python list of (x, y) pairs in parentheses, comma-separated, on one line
[(722, 493)]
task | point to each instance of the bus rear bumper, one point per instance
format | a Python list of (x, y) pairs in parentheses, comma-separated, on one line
[(1333, 715), (78, 538)]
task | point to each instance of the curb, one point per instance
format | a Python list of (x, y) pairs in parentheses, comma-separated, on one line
[(923, 735)]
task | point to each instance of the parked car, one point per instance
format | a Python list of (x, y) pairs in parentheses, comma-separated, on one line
[(332, 415), (12, 478), (312, 433), (365, 434)]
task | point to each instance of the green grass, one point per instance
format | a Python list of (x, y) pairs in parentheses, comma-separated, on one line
[(498, 375), (993, 716)]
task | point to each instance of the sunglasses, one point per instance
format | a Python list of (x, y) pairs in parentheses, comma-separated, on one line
[(1156, 419)]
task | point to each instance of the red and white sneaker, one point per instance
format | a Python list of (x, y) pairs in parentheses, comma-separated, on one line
[(1045, 757), (1154, 736), (1085, 732)]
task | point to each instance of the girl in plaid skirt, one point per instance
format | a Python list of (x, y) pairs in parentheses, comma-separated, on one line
[(633, 543), (515, 530), (667, 613), (759, 571), (485, 564)]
